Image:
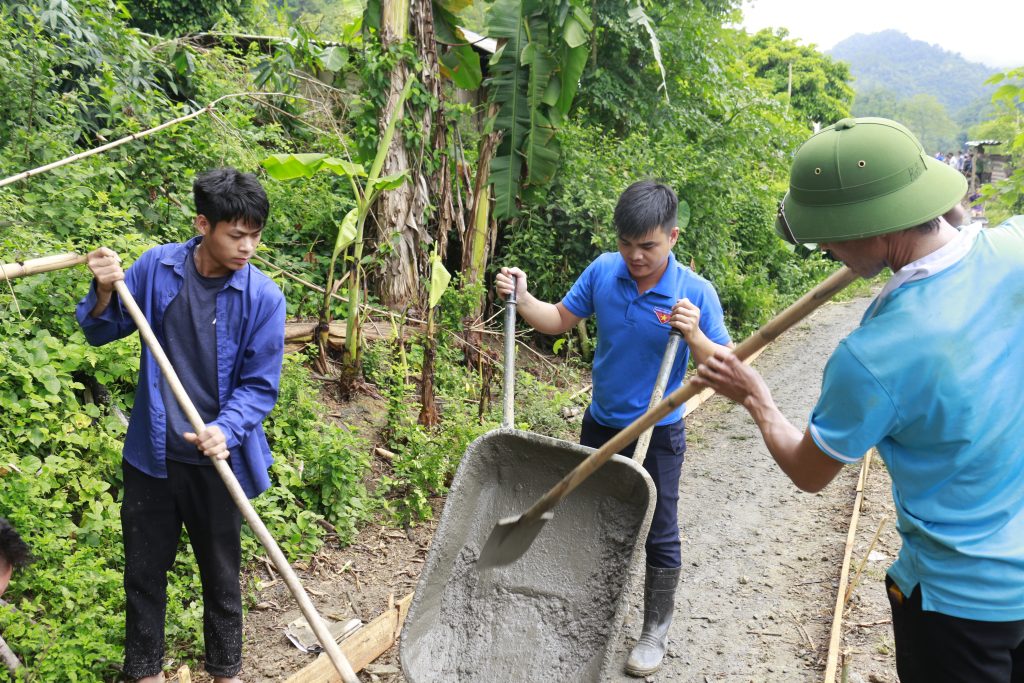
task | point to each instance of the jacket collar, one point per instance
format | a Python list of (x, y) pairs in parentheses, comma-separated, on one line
[(175, 258)]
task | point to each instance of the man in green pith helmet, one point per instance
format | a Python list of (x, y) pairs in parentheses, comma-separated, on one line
[(931, 378)]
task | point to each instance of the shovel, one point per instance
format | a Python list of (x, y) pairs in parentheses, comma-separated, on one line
[(512, 536), (660, 383), (50, 263)]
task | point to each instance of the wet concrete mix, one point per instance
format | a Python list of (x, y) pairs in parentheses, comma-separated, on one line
[(554, 614)]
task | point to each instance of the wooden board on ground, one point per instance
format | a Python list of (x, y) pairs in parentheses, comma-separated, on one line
[(362, 647)]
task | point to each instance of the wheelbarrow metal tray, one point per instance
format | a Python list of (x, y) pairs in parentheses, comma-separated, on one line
[(554, 614)]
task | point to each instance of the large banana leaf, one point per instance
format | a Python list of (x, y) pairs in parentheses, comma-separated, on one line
[(508, 83), (534, 78)]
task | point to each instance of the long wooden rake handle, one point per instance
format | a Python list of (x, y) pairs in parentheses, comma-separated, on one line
[(769, 331), (237, 494)]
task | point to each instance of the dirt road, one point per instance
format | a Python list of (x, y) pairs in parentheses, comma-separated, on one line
[(761, 559)]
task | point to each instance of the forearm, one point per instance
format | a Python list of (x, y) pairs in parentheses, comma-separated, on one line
[(103, 299), (702, 348), (542, 316), (794, 451)]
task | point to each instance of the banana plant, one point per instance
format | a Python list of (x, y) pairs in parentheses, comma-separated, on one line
[(366, 187), (535, 73), (439, 280)]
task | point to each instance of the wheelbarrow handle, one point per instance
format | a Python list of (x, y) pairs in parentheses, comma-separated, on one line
[(237, 494), (768, 332), (660, 384)]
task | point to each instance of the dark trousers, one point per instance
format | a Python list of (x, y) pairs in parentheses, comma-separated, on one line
[(938, 648), (152, 514), (664, 462)]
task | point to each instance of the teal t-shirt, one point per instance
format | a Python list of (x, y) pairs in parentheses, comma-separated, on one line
[(632, 331), (934, 377)]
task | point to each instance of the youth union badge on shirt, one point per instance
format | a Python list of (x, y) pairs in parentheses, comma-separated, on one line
[(663, 315)]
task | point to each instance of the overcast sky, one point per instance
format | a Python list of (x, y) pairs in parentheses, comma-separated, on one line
[(986, 31)]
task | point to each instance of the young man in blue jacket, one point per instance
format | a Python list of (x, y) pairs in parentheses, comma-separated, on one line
[(638, 294), (221, 323)]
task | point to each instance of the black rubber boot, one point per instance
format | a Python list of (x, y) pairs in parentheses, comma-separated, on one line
[(659, 605)]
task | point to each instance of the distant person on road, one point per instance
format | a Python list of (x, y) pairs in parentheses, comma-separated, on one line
[(931, 378), (638, 294), (14, 553), (983, 167), (221, 323)]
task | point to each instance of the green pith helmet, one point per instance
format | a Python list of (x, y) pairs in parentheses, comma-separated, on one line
[(864, 177)]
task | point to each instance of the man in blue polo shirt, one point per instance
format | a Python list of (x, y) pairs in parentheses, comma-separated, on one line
[(932, 378), (221, 323), (638, 294)]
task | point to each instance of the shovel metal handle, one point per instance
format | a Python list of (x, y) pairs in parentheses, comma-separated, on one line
[(237, 494), (768, 332), (660, 383), (509, 382)]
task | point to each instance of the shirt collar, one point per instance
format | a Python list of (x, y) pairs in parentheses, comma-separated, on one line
[(943, 258), (175, 258)]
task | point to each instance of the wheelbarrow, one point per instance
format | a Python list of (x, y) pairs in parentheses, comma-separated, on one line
[(555, 615)]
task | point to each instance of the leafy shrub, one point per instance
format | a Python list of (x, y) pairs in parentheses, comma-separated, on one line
[(319, 464)]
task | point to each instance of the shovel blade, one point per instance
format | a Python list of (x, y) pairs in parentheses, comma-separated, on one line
[(509, 539)]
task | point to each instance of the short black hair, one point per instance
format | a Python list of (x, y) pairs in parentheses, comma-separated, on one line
[(227, 194), (644, 206), (13, 550)]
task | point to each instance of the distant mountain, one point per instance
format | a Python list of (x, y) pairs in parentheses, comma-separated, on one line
[(890, 60)]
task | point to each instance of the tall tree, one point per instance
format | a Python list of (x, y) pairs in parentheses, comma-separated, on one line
[(815, 85)]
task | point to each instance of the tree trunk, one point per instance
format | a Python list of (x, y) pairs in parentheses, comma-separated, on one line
[(435, 130), (399, 213)]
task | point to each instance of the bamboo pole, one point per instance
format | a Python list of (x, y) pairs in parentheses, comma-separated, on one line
[(8, 657), (832, 662), (864, 561), (208, 109), (9, 271), (237, 494)]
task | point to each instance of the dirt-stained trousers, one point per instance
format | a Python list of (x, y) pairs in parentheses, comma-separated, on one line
[(664, 463), (152, 515)]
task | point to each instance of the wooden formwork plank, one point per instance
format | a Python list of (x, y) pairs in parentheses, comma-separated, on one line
[(361, 648), (832, 661)]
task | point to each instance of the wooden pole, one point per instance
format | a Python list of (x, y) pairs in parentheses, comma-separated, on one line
[(832, 662), (9, 658), (9, 271), (208, 109), (237, 494)]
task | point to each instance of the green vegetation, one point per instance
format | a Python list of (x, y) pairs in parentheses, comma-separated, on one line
[(1005, 198), (585, 98)]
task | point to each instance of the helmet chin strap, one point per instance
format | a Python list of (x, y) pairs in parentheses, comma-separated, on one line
[(784, 223)]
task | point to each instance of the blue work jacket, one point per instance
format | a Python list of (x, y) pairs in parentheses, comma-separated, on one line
[(250, 349)]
